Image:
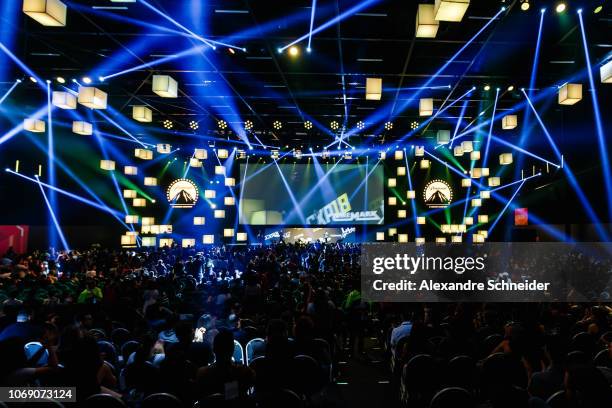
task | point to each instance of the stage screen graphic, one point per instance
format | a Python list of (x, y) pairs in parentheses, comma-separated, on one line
[(311, 194)]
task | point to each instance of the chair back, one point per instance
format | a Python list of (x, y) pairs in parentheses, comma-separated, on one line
[(238, 356), (308, 375), (120, 336), (108, 351), (452, 397), (557, 400), (104, 401), (161, 400), (255, 348)]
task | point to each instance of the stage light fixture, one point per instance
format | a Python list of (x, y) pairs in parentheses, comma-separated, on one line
[(60, 80), (598, 9), (86, 80), (525, 5), (487, 87), (241, 154), (307, 125), (294, 51), (334, 125), (511, 88), (360, 125), (33, 79), (221, 124), (248, 125), (194, 125), (274, 154), (168, 124), (560, 7), (388, 125), (277, 125), (414, 125)]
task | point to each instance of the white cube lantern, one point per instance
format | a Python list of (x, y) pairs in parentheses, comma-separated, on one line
[(403, 238), (426, 107), (92, 97), (421, 220), (478, 239), (193, 162), (411, 194), (223, 153), (219, 214), (130, 194), (466, 182), (208, 239), (468, 220), (150, 181), (107, 164), (399, 155), (476, 202), (426, 24), (130, 170), (505, 159), (163, 148), (188, 242), (419, 151), (392, 182), (82, 128), (483, 218), (149, 241), (443, 137), (456, 239), (34, 125), (450, 10), (51, 13), (200, 154), (485, 194), (131, 219), (401, 213), (392, 231), (605, 72), (440, 240), (475, 155), (373, 89), (199, 220), (220, 170), (165, 86), (382, 155), (210, 193), (228, 232), (142, 114), (392, 201), (569, 94), (64, 100), (241, 237), (144, 154), (380, 236), (483, 233), (425, 164), (139, 202), (128, 240), (509, 122), (401, 171), (494, 181), (230, 181), (147, 221), (229, 200), (419, 241), (467, 146), (458, 151), (166, 242)]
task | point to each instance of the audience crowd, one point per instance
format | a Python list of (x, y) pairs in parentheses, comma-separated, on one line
[(268, 326)]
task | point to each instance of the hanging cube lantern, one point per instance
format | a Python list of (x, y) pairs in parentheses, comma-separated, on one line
[(485, 194), (208, 239), (144, 154), (128, 240), (478, 239), (458, 151), (570, 94), (187, 242), (107, 164), (466, 182), (220, 170), (475, 155), (64, 100), (605, 72), (456, 239), (165, 229), (210, 193), (399, 155), (410, 194), (445, 228), (443, 137), (426, 24), (149, 241), (142, 114), (200, 154), (467, 146), (229, 200), (92, 97), (154, 229), (147, 221), (494, 181), (440, 240), (380, 236), (401, 213), (373, 89), (228, 232), (483, 218), (130, 170), (505, 159), (199, 220), (426, 107), (401, 171), (419, 241), (219, 214), (130, 194), (509, 122), (421, 220), (165, 86), (476, 202), (485, 171), (82, 128), (50, 13), (348, 155), (403, 238), (166, 242), (131, 219), (425, 164), (392, 231), (274, 154), (483, 233), (150, 181), (34, 125), (468, 220), (419, 151), (139, 202), (193, 162), (163, 148), (450, 10), (392, 201), (223, 153), (230, 181), (391, 182), (241, 237)]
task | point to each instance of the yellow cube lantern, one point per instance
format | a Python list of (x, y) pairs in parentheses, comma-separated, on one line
[(373, 89), (144, 154), (107, 164), (426, 107), (421, 220), (82, 128), (475, 155), (210, 193), (380, 236), (131, 219), (484, 194), (187, 242), (139, 202), (34, 125), (468, 220), (425, 164), (392, 231), (392, 201), (129, 194), (419, 151), (200, 154), (467, 146), (222, 153), (450, 10), (165, 86), (51, 13), (230, 181), (456, 239), (466, 182), (419, 241), (163, 148), (199, 220), (401, 171), (483, 233), (494, 181), (478, 239), (399, 155), (128, 240), (476, 202), (241, 237), (150, 181), (410, 194), (382, 155), (426, 24), (147, 221), (92, 97), (193, 162), (401, 213), (142, 113), (403, 238), (166, 242), (392, 182), (483, 218), (130, 170), (219, 214), (570, 94), (64, 100), (149, 241), (208, 239), (228, 232), (220, 170), (440, 240), (458, 151), (509, 122), (505, 159), (229, 200)]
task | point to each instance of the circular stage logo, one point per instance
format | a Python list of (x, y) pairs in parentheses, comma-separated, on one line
[(182, 193), (437, 194)]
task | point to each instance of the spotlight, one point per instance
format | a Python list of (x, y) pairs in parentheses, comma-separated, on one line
[(86, 80), (194, 125), (294, 51), (101, 78), (308, 49), (61, 80), (277, 125), (360, 125), (487, 87), (231, 51), (168, 124), (334, 125), (308, 125), (221, 124), (598, 9), (388, 125), (248, 125), (511, 88), (560, 8), (414, 125), (33, 79), (525, 5)]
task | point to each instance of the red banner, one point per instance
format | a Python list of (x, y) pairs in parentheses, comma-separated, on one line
[(521, 216), (15, 236)]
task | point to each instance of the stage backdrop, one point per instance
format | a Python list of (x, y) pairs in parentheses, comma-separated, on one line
[(311, 194)]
